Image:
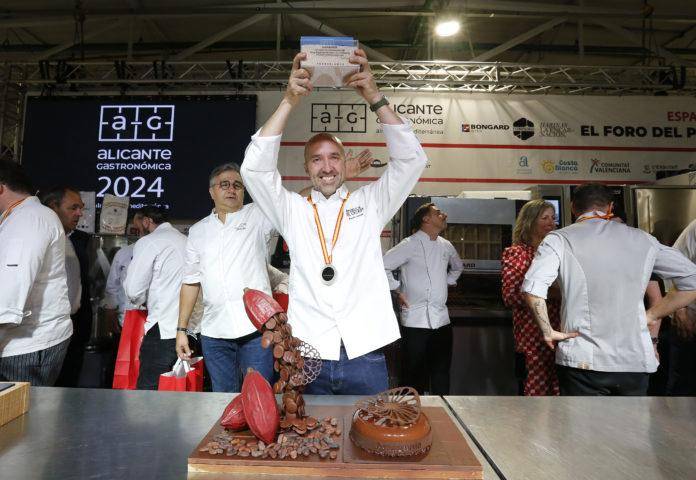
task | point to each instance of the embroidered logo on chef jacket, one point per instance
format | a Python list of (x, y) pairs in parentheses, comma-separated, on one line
[(355, 212), (241, 226)]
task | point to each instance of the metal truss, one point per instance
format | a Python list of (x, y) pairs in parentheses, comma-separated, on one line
[(59, 77), (415, 76)]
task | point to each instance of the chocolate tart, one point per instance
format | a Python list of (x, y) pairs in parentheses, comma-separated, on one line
[(392, 424)]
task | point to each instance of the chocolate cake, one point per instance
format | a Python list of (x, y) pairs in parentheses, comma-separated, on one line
[(392, 424)]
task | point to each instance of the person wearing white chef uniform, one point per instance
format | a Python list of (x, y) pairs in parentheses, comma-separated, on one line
[(428, 264), (339, 295)]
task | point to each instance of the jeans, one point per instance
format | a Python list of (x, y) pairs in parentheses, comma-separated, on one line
[(228, 359), (363, 375)]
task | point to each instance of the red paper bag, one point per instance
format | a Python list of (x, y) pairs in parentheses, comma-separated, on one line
[(127, 365), (185, 376)]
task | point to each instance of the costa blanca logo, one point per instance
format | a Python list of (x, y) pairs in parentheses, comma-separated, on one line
[(339, 117), (523, 128), (136, 123), (562, 166)]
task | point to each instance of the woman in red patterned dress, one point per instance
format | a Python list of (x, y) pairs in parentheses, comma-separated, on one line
[(535, 362)]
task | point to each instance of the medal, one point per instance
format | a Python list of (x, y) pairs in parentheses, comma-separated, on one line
[(328, 271), (328, 274)]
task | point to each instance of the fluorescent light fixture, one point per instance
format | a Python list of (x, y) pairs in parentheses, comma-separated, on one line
[(447, 28)]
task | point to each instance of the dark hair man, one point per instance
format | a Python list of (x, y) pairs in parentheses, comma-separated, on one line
[(35, 326), (154, 279), (340, 301), (428, 264), (604, 268)]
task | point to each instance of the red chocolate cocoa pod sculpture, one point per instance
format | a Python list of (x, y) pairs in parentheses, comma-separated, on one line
[(260, 408), (259, 307), (233, 417)]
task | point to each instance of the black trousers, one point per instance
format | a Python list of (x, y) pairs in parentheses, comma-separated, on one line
[(427, 355), (157, 356), (578, 382)]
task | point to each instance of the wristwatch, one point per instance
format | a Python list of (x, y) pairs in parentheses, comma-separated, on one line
[(182, 329), (379, 103)]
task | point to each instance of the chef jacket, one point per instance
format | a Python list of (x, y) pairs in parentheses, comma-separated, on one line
[(34, 305), (424, 278), (154, 277), (603, 269), (115, 295), (356, 309), (686, 244), (225, 258)]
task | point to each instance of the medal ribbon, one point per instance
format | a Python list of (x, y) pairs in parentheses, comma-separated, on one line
[(607, 216), (7, 212), (320, 231)]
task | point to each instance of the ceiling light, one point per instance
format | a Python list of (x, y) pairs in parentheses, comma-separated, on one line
[(447, 28)]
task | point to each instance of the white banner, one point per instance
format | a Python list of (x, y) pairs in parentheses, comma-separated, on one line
[(504, 142)]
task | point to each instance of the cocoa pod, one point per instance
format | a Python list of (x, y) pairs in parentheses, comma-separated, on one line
[(233, 416), (259, 307), (260, 408)]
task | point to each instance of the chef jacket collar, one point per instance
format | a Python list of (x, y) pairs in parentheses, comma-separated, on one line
[(420, 234), (341, 193), (591, 213)]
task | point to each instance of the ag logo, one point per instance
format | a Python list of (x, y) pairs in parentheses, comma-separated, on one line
[(136, 123), (523, 129), (339, 117), (548, 166)]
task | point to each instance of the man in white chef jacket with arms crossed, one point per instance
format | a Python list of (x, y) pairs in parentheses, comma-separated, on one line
[(339, 296)]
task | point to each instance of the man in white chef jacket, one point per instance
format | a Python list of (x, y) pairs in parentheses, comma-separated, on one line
[(35, 325), (339, 295), (428, 264), (153, 280), (226, 252)]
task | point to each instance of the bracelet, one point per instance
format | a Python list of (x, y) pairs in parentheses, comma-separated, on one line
[(182, 329)]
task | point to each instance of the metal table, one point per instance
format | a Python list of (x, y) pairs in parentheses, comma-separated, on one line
[(583, 437), (91, 433)]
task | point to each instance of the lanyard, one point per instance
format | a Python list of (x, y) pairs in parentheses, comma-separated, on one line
[(607, 216), (320, 231), (9, 209)]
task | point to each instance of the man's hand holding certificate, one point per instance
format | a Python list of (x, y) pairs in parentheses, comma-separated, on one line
[(327, 60)]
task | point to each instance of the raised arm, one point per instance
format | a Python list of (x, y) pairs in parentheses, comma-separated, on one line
[(260, 167)]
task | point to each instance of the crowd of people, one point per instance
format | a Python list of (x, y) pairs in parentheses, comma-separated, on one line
[(579, 323)]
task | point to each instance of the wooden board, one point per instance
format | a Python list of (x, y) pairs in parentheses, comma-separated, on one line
[(450, 455), (14, 402)]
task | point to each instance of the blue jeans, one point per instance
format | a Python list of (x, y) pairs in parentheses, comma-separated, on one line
[(363, 375), (228, 359)]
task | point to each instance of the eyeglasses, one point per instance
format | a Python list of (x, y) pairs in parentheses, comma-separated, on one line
[(226, 184)]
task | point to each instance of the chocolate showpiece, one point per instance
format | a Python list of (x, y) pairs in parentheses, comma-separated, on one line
[(297, 364), (392, 424)]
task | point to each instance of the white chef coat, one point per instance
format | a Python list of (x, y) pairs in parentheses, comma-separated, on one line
[(34, 305), (424, 278), (603, 269), (686, 244), (357, 308), (72, 272), (115, 295), (225, 259), (154, 277)]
